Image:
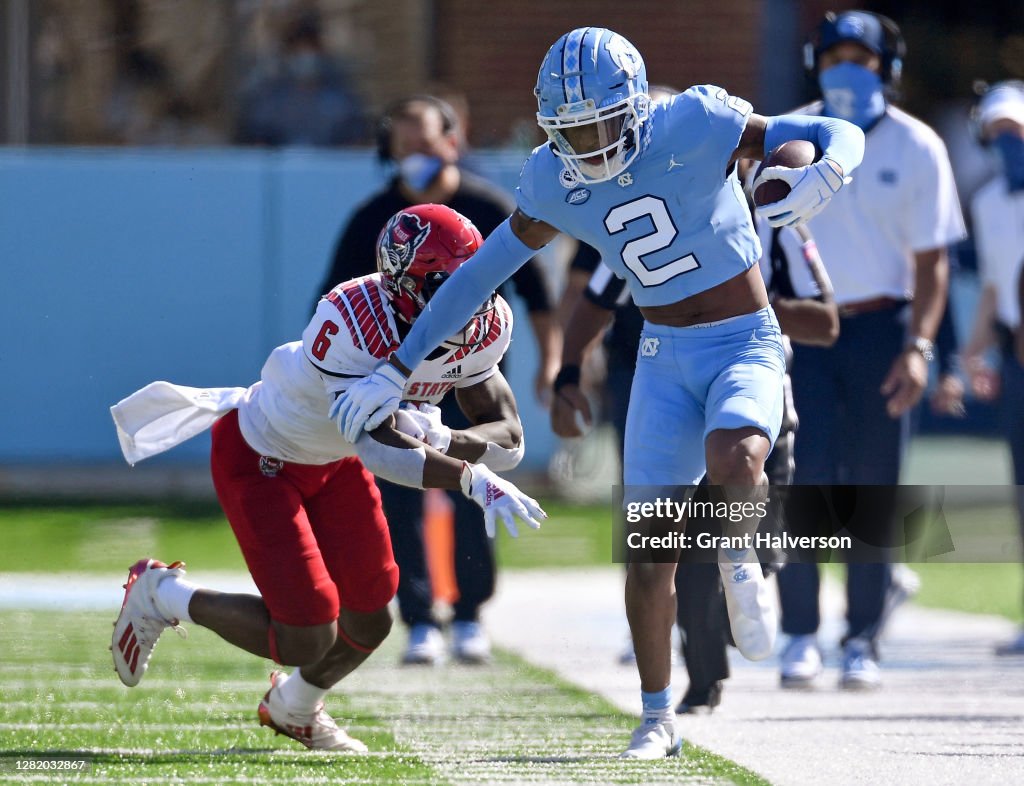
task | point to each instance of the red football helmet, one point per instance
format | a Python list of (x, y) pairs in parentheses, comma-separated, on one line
[(418, 249)]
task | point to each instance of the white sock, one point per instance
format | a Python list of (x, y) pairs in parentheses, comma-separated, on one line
[(173, 595), (298, 695)]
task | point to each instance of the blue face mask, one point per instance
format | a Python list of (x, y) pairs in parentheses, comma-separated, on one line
[(853, 92), (419, 170), (1010, 150)]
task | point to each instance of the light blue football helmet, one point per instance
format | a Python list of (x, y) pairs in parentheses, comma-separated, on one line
[(591, 99)]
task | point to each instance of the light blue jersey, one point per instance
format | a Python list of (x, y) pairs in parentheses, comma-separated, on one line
[(673, 224)]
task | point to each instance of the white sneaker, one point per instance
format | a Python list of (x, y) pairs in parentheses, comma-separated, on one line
[(139, 624), (316, 730), (653, 741), (426, 646), (860, 669), (470, 643), (752, 613), (800, 662), (1013, 646)]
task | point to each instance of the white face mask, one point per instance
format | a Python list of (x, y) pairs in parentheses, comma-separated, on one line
[(419, 170)]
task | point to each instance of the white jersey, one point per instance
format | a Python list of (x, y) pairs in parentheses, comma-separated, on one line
[(999, 234), (284, 415), (902, 200)]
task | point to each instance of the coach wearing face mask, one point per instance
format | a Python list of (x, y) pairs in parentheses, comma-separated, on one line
[(884, 244), (419, 136), (998, 213)]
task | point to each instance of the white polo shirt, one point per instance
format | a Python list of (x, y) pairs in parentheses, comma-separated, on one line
[(999, 237), (902, 200)]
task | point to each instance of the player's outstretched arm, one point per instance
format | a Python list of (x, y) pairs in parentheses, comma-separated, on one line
[(367, 403), (394, 456)]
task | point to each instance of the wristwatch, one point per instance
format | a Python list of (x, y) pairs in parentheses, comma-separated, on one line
[(924, 346)]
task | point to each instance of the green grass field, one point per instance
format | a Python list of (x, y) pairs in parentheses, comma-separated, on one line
[(193, 718)]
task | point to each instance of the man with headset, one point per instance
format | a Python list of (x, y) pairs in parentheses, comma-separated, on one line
[(885, 246), (419, 135)]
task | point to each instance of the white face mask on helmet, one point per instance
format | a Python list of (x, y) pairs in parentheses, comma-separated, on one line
[(592, 99)]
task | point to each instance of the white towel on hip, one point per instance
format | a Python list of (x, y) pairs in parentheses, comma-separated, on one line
[(163, 415)]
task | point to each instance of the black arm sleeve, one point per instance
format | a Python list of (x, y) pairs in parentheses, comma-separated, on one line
[(605, 289), (529, 284), (586, 258)]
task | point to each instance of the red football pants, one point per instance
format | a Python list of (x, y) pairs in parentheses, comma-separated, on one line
[(314, 536)]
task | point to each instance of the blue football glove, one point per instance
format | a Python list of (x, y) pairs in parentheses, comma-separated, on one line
[(811, 189), (369, 402)]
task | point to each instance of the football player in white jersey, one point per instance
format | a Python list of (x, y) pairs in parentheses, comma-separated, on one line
[(298, 495), (653, 189)]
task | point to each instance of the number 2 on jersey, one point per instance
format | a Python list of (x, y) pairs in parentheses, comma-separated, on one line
[(636, 249), (323, 341)]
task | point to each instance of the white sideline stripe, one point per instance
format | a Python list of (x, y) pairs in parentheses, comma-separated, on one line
[(78, 592)]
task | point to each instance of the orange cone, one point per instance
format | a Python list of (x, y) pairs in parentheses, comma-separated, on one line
[(439, 544)]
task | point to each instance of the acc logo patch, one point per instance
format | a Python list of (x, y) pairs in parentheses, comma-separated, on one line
[(568, 179), (578, 196), (649, 347)]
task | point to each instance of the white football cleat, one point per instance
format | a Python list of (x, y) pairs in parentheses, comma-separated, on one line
[(426, 646), (140, 624), (753, 617), (470, 643), (316, 730), (654, 741)]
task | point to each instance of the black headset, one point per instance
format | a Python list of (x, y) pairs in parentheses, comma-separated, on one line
[(449, 120), (894, 48)]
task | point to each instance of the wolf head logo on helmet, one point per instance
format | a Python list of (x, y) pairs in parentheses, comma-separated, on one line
[(591, 101), (418, 249)]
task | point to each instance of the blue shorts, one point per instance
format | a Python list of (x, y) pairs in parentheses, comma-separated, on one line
[(691, 381)]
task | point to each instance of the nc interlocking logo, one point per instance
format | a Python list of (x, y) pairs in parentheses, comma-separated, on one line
[(649, 347), (625, 179)]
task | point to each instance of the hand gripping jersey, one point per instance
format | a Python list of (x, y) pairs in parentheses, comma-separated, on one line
[(284, 415), (673, 224)]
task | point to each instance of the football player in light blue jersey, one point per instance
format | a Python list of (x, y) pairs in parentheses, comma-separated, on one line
[(654, 190)]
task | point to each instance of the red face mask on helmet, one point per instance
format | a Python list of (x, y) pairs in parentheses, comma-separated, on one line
[(419, 248)]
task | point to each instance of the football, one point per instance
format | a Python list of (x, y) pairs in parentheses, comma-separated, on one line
[(795, 153)]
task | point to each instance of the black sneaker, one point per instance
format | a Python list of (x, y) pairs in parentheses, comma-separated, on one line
[(697, 701)]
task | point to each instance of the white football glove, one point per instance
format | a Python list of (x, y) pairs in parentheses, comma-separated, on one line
[(369, 402), (422, 422), (811, 189), (499, 499)]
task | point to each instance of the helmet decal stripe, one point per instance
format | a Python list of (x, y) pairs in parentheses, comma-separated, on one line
[(565, 85), (571, 67), (583, 43)]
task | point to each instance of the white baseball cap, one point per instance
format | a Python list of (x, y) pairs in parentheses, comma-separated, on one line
[(1003, 101)]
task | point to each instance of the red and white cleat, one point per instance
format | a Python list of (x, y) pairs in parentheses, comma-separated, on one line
[(139, 624), (316, 730)]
